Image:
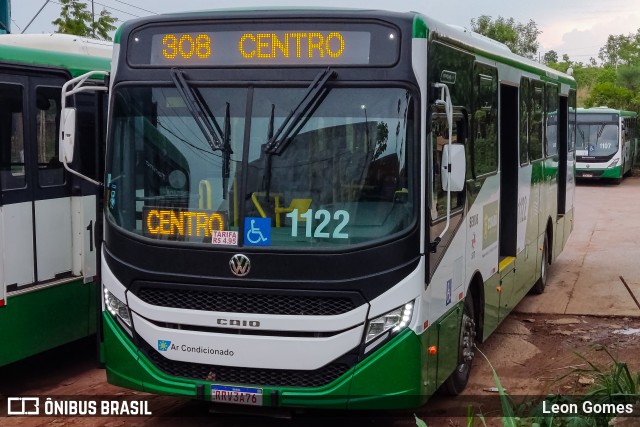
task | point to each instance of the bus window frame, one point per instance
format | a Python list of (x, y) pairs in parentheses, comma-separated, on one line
[(460, 114), (537, 84), (545, 141), (484, 72), (36, 87), (525, 101), (21, 83)]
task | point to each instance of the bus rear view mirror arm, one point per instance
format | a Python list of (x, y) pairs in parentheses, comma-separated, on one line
[(68, 118)]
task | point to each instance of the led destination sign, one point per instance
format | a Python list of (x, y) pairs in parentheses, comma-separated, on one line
[(268, 47), (176, 223), (226, 45)]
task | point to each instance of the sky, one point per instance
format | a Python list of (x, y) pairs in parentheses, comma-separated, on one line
[(578, 28)]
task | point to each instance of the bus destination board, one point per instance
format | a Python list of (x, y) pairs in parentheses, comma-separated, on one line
[(293, 45)]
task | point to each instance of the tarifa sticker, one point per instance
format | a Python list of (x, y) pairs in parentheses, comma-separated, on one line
[(224, 238)]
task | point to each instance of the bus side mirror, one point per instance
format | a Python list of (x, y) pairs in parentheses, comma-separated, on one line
[(67, 135), (454, 165)]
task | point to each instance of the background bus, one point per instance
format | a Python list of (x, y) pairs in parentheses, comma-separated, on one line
[(606, 143), (47, 254), (323, 207)]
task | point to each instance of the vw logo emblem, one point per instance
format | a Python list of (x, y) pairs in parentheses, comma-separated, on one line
[(240, 265)]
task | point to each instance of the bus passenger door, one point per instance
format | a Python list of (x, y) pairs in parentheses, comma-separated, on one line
[(52, 203), (16, 210), (570, 189), (512, 230), (563, 151), (548, 194)]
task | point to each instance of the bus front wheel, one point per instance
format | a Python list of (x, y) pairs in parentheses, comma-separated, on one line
[(457, 381)]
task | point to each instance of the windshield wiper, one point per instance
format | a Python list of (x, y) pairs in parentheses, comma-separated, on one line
[(279, 141), (217, 139), (199, 110)]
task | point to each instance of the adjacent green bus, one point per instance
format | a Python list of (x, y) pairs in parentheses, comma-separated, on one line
[(606, 143), (323, 208), (48, 292)]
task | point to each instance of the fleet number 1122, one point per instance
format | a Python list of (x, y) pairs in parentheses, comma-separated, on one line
[(324, 216)]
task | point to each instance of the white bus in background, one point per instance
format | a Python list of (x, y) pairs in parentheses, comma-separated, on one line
[(606, 143), (48, 292)]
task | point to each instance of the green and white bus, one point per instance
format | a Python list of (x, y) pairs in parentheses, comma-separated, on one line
[(323, 208), (606, 143), (48, 295)]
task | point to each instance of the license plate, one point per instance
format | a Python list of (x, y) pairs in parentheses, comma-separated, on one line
[(587, 175), (236, 395)]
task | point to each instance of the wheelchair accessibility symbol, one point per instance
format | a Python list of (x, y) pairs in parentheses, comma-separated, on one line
[(257, 231)]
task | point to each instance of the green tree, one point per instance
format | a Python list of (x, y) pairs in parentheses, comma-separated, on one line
[(103, 25), (550, 57), (76, 19), (621, 50), (522, 39), (628, 77), (610, 95)]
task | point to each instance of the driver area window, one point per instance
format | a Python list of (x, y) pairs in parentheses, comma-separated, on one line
[(439, 137)]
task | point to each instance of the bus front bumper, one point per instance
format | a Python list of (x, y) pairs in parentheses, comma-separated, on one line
[(591, 173), (391, 377)]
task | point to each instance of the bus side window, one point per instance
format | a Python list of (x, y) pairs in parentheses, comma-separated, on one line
[(50, 171), (485, 122), (571, 146), (524, 121), (536, 120), (12, 166), (439, 138), (551, 135)]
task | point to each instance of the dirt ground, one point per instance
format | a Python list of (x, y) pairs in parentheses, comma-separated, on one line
[(533, 354), (539, 354)]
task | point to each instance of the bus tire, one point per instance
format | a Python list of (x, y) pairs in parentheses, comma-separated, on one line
[(541, 283), (458, 379)]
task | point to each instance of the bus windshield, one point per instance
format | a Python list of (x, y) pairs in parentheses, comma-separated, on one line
[(340, 178), (597, 139)]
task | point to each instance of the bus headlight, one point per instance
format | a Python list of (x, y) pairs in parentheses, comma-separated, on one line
[(395, 320), (116, 307), (614, 163)]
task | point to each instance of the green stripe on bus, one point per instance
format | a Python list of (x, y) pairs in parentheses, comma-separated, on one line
[(53, 316), (76, 64), (420, 29), (375, 383)]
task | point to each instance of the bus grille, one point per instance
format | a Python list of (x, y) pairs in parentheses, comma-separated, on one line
[(255, 303), (247, 376)]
